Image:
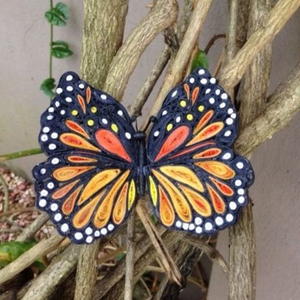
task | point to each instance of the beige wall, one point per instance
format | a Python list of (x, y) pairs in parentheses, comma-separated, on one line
[(23, 65)]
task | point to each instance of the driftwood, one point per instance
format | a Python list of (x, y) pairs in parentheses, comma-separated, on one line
[(246, 62)]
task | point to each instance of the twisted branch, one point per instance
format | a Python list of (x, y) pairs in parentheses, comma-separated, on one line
[(161, 16)]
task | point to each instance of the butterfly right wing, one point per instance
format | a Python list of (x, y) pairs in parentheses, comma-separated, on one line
[(196, 181)]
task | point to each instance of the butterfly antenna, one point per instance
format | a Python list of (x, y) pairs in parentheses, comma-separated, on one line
[(152, 119), (136, 125)]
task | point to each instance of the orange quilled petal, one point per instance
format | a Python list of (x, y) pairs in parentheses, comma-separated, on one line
[(103, 213), (217, 200), (197, 201), (222, 187), (81, 103), (207, 132), (77, 141), (119, 211), (77, 128), (217, 169), (195, 94), (88, 95), (187, 90), (166, 210), (81, 159), (208, 153), (173, 141), (203, 121), (184, 175), (62, 191), (180, 204), (67, 173), (98, 182), (111, 143), (83, 216), (69, 203), (192, 148)]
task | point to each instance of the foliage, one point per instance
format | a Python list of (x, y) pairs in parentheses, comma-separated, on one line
[(10, 251), (48, 86), (60, 49), (57, 15), (200, 60)]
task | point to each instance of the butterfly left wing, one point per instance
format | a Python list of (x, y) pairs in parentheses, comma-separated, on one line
[(88, 183), (196, 182)]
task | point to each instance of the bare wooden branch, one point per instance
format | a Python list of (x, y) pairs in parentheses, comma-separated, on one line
[(29, 257), (59, 269), (254, 86), (232, 30), (112, 286), (283, 105), (161, 16), (163, 254), (211, 252), (252, 96), (95, 61), (277, 18), (102, 36), (31, 229), (242, 21), (86, 274), (143, 94), (129, 258), (176, 71)]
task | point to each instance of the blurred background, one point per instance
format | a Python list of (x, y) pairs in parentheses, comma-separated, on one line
[(24, 52)]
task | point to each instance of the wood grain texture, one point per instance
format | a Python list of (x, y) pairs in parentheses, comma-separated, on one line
[(161, 16), (177, 69), (252, 97), (130, 251), (29, 257), (31, 229), (103, 28), (59, 269), (277, 18), (281, 108)]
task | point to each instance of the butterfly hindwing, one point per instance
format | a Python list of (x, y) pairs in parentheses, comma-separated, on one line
[(196, 183), (88, 183)]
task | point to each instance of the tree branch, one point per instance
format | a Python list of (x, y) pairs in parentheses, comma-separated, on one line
[(29, 257), (103, 28), (129, 258), (162, 251), (213, 254), (59, 269), (252, 95), (31, 229), (176, 71), (99, 16), (283, 105), (278, 16), (161, 16)]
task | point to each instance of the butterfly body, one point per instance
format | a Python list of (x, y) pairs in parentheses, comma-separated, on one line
[(99, 165)]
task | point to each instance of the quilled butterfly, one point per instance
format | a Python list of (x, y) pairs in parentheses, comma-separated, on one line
[(98, 165)]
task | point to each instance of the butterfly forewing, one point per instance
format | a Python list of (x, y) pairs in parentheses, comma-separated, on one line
[(88, 184), (196, 182)]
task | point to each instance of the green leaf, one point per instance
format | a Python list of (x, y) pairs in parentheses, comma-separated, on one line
[(10, 251), (200, 61), (58, 15), (60, 49), (48, 86)]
